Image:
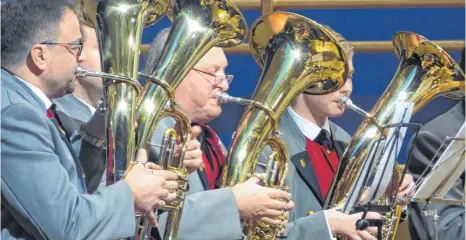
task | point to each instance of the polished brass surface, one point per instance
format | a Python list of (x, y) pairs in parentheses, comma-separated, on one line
[(154, 10), (276, 168), (296, 54), (119, 25), (198, 25), (425, 72), (109, 78)]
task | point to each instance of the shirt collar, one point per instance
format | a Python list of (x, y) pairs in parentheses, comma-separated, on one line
[(91, 108), (309, 129), (41, 95)]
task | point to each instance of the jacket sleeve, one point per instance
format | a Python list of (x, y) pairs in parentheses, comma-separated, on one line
[(307, 227), (36, 183), (208, 215)]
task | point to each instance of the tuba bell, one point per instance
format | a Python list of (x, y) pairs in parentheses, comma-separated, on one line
[(296, 54), (425, 71), (198, 25)]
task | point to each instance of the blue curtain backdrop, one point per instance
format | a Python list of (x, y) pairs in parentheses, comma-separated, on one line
[(373, 71)]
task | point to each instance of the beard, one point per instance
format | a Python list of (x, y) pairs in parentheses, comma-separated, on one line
[(70, 85)]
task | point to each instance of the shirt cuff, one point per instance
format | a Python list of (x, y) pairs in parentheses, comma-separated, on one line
[(328, 227)]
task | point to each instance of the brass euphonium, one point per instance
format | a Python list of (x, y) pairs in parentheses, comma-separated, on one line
[(296, 54), (198, 25), (119, 25), (425, 72)]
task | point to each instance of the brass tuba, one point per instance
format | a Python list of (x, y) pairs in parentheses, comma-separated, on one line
[(198, 25), (296, 54), (425, 72)]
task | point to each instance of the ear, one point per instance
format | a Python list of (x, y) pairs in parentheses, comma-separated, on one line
[(39, 56)]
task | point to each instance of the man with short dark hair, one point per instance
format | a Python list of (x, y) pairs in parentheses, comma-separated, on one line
[(43, 190)]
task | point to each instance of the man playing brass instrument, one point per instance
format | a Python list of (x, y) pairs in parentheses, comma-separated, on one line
[(218, 211), (44, 195), (315, 144), (85, 124)]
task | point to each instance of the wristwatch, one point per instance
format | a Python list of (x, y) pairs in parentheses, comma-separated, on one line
[(100, 143)]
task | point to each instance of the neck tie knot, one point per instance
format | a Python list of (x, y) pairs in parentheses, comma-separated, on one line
[(50, 113), (324, 139)]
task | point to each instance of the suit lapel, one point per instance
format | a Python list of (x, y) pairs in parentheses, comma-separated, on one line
[(70, 125), (306, 171), (340, 149), (296, 144)]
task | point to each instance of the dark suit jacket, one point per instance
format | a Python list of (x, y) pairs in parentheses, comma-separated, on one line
[(429, 140), (73, 114), (43, 190)]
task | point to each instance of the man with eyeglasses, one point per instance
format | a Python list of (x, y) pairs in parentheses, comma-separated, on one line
[(84, 121), (217, 211), (44, 195)]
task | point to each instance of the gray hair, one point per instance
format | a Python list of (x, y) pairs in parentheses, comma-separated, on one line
[(155, 50)]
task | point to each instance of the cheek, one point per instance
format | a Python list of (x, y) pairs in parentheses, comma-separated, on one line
[(93, 61)]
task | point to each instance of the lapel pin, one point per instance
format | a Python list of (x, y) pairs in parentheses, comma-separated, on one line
[(303, 164)]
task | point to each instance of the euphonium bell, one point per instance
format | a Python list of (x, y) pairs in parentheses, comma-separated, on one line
[(296, 54), (198, 25), (425, 72)]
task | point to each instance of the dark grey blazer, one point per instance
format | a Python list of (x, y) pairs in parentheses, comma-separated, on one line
[(429, 140), (43, 190), (306, 219), (73, 114)]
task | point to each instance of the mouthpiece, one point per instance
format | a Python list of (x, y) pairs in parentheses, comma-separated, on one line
[(347, 103), (223, 97), (81, 72)]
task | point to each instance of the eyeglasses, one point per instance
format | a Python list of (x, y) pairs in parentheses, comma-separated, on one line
[(215, 79), (77, 49)]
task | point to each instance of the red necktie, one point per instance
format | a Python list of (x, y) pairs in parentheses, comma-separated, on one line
[(53, 116), (324, 160)]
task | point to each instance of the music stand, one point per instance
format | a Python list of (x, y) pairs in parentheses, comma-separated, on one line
[(383, 155), (447, 169)]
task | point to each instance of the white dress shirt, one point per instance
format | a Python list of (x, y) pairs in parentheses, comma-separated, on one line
[(308, 128)]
